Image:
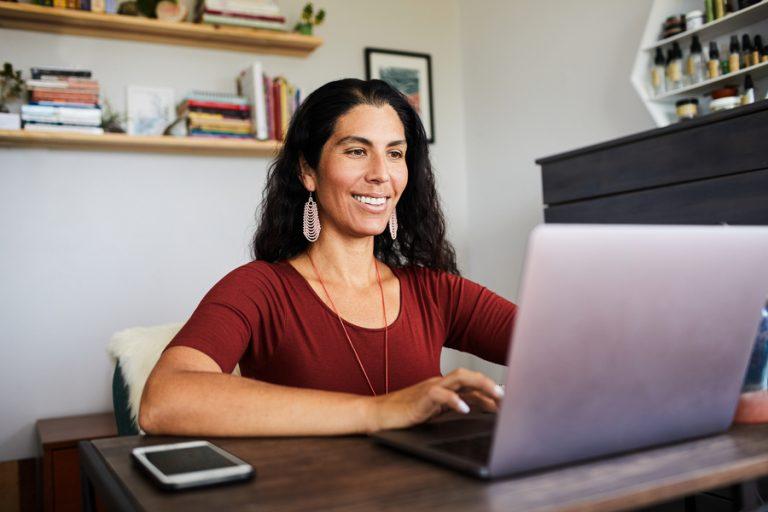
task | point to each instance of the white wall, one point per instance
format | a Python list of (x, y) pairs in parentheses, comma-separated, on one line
[(540, 77), (91, 243)]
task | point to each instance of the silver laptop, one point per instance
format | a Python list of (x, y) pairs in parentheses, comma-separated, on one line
[(627, 337)]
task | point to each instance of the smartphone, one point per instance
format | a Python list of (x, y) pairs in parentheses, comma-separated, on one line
[(190, 464)]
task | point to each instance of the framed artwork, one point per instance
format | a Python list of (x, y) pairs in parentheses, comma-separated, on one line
[(150, 109), (409, 73)]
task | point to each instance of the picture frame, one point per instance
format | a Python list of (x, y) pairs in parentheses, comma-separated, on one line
[(150, 109), (409, 73)]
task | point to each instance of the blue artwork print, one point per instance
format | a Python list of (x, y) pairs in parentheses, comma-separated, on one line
[(404, 80)]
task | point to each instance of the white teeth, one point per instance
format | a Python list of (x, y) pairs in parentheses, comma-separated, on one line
[(371, 200)]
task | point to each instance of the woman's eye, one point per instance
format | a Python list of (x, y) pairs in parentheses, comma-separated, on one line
[(396, 154), (356, 152)]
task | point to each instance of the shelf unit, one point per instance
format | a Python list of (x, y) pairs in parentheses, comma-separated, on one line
[(137, 143), (114, 26), (752, 20)]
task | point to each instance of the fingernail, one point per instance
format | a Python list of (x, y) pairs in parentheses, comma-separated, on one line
[(498, 391), (463, 407)]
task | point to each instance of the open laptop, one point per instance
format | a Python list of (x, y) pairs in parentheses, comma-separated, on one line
[(626, 337)]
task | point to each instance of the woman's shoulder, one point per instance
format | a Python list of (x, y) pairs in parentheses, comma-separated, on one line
[(256, 276)]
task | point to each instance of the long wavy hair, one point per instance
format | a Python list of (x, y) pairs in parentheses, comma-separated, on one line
[(421, 235)]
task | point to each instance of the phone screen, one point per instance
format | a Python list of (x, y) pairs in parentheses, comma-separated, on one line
[(186, 460)]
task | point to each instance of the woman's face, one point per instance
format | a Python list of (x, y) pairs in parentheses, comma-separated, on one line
[(362, 172)]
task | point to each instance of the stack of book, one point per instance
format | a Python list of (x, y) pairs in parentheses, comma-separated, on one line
[(263, 14), (273, 101), (62, 100), (221, 115)]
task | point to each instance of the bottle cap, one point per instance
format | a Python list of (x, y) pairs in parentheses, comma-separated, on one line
[(758, 42), (687, 101), (676, 51), (735, 48), (659, 58), (746, 43), (748, 84), (714, 53), (695, 45)]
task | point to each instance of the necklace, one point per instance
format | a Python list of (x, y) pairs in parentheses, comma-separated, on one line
[(351, 345)]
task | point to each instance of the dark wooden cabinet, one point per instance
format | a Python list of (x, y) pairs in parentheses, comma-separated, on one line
[(711, 170), (58, 438)]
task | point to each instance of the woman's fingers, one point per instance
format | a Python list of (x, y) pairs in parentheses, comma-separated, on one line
[(447, 398), (461, 378), (479, 402)]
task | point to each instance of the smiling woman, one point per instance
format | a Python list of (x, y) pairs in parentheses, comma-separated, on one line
[(339, 322)]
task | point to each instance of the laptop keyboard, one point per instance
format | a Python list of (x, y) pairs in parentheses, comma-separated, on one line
[(455, 429), (477, 449)]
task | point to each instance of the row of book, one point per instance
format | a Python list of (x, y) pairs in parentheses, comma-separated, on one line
[(207, 114), (107, 6), (62, 100), (273, 101)]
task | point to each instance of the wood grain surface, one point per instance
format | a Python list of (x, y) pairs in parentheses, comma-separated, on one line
[(353, 473)]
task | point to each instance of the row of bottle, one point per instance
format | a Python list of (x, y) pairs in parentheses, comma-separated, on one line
[(668, 74), (724, 98)]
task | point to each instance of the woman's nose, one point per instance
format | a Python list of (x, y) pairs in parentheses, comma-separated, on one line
[(377, 171)]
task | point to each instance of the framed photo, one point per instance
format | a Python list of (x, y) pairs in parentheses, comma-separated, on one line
[(409, 73), (150, 109)]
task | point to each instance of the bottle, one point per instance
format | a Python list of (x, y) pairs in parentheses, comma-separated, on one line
[(657, 73), (713, 64), (719, 8), (749, 91), (757, 372), (757, 50), (694, 64), (746, 51), (674, 67), (734, 57), (709, 10), (764, 54)]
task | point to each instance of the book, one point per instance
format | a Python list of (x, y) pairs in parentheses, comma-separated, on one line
[(220, 97), (44, 110), (214, 105), (201, 133), (91, 99), (69, 104), (38, 72), (64, 83), (43, 127), (243, 6), (212, 19), (110, 6), (59, 120), (275, 19), (98, 6), (250, 83), (214, 113)]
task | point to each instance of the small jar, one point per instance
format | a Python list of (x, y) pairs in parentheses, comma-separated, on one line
[(687, 108), (694, 20)]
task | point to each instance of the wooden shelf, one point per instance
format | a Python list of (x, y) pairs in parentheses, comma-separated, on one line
[(122, 142), (736, 78), (721, 26), (135, 28)]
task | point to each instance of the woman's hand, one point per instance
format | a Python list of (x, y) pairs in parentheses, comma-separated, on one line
[(752, 408), (461, 390)]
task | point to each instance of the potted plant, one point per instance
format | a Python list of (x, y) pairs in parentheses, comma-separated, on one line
[(12, 87), (308, 21)]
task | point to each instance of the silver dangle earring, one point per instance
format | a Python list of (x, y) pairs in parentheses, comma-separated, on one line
[(311, 226), (393, 224)]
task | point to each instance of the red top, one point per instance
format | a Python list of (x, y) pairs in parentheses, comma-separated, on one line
[(268, 318)]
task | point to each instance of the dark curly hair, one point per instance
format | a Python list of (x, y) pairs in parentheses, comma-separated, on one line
[(421, 235)]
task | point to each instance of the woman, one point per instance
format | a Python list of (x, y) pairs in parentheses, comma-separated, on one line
[(339, 322)]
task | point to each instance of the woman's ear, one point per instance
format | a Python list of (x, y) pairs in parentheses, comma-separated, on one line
[(307, 175)]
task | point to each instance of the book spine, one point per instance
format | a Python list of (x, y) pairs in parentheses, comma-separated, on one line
[(38, 73), (215, 104), (276, 103), (98, 5), (85, 5), (284, 115), (269, 108)]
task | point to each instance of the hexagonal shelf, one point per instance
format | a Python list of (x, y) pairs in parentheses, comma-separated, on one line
[(751, 20)]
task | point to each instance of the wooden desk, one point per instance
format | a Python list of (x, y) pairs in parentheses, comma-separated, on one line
[(58, 438), (352, 473)]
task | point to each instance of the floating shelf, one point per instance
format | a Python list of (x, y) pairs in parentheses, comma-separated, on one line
[(737, 78), (720, 27), (114, 26), (137, 143)]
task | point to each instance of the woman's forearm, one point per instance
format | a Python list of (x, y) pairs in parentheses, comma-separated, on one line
[(195, 403)]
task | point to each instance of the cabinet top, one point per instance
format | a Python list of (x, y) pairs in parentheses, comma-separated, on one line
[(717, 117)]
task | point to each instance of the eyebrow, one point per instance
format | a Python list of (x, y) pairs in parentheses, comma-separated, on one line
[(366, 142)]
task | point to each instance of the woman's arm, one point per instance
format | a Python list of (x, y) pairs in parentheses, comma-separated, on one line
[(186, 394)]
